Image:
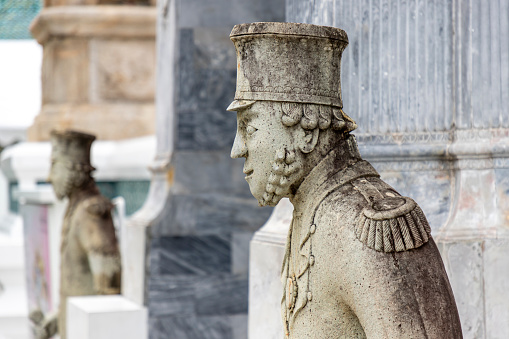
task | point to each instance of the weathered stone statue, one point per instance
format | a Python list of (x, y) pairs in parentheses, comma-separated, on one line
[(360, 261), (89, 255)]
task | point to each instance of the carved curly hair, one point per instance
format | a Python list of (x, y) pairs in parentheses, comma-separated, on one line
[(81, 173), (312, 116)]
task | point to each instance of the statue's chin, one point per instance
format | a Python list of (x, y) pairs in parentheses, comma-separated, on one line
[(59, 194), (272, 202)]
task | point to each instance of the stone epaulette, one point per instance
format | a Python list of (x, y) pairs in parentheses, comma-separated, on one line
[(393, 224), (390, 223)]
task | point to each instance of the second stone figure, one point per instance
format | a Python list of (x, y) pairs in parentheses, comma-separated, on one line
[(89, 254), (360, 261)]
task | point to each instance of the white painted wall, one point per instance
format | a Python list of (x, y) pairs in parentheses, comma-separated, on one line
[(20, 82)]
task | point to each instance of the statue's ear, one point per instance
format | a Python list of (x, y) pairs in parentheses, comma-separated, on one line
[(307, 139)]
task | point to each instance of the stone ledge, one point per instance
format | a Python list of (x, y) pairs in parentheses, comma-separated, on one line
[(462, 149), (129, 120), (446, 235), (95, 21)]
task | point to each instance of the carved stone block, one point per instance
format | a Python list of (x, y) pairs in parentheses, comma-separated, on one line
[(122, 70), (65, 72), (98, 69)]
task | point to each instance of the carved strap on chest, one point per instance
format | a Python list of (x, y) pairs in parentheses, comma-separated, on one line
[(390, 223)]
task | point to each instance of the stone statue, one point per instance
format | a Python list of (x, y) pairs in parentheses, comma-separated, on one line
[(89, 255), (360, 261)]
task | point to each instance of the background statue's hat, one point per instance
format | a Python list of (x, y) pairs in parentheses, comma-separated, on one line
[(72, 146), (281, 61)]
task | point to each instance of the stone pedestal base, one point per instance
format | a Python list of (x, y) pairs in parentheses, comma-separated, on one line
[(477, 270), (98, 70)]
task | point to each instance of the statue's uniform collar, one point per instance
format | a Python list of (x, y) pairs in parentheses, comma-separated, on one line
[(329, 174)]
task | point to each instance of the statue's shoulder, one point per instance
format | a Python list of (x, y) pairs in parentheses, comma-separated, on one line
[(97, 205), (389, 222)]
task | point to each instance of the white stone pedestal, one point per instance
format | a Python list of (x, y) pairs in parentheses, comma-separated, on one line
[(13, 294), (267, 250), (42, 217), (105, 317)]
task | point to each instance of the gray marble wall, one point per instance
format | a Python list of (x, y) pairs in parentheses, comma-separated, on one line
[(420, 65), (414, 74), (428, 84), (198, 257)]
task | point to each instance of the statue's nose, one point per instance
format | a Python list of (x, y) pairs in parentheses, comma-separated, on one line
[(239, 149)]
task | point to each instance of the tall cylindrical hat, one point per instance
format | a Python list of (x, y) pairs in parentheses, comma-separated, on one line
[(72, 147), (291, 62)]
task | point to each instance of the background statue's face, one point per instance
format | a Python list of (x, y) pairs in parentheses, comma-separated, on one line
[(60, 176), (260, 138)]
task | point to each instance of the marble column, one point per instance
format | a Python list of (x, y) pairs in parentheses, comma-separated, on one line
[(198, 256), (427, 83)]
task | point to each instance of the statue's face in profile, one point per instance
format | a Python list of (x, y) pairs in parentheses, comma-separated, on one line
[(59, 177), (263, 140)]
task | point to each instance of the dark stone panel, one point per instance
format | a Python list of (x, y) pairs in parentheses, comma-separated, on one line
[(201, 214), (204, 172), (186, 76), (193, 255), (172, 295), (207, 75), (191, 327), (159, 304), (207, 128), (186, 131), (210, 172), (215, 48), (210, 89), (154, 329), (220, 13), (222, 295), (207, 69)]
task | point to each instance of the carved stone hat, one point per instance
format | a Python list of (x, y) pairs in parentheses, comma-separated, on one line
[(72, 147), (292, 62)]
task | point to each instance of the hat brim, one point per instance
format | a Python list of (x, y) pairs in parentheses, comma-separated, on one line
[(237, 105)]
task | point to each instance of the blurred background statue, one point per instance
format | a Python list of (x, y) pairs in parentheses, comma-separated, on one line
[(89, 254)]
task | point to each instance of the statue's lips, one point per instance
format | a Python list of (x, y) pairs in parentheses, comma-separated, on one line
[(248, 173)]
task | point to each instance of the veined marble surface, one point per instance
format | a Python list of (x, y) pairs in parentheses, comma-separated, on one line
[(198, 274)]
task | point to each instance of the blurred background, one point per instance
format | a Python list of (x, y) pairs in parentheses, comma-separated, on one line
[(426, 81), (66, 89), (20, 85)]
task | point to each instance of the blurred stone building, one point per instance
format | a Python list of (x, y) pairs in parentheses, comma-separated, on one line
[(98, 70)]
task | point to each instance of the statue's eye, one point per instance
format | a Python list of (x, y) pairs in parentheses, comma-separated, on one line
[(250, 130)]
